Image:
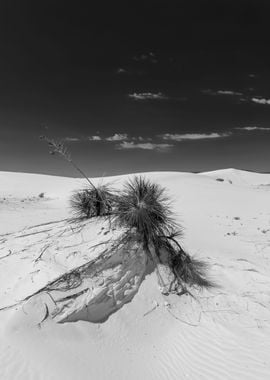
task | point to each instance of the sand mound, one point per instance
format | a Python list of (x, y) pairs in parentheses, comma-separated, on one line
[(122, 326), (78, 265), (240, 177)]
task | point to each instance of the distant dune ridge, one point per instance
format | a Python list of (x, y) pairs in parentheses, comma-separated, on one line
[(119, 326)]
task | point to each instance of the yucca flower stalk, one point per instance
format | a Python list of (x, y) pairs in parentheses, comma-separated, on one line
[(89, 202), (59, 148)]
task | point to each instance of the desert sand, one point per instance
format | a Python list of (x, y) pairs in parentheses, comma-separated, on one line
[(119, 326)]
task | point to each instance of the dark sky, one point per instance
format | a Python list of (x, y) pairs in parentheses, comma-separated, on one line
[(161, 85)]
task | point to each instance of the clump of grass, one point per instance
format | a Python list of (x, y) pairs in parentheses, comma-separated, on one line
[(89, 202), (143, 209)]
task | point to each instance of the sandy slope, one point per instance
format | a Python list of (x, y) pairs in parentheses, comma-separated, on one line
[(222, 334)]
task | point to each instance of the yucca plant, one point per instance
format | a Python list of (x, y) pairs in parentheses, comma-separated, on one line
[(143, 209), (143, 206), (92, 202)]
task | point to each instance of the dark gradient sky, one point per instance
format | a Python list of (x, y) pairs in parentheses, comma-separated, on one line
[(67, 70)]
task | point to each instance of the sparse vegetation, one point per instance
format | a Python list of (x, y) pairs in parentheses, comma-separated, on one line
[(89, 202), (58, 148), (143, 209)]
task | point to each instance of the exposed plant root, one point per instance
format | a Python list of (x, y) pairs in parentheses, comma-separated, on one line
[(44, 249)]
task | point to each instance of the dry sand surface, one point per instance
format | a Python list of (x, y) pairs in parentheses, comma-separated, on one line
[(115, 323)]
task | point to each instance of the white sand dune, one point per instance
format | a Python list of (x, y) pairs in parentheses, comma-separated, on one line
[(241, 177), (115, 323)]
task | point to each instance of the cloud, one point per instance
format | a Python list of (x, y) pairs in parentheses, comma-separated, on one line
[(146, 57), (221, 92), (261, 101), (144, 146), (140, 138), (148, 96), (94, 138), (121, 70), (117, 137), (193, 136), (239, 95), (253, 128), (71, 139), (229, 92)]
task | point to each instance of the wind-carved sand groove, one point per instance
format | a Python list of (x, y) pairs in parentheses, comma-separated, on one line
[(106, 286), (93, 280)]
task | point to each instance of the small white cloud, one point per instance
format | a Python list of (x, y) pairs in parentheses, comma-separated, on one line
[(94, 138), (144, 146), (148, 96), (254, 128), (117, 137), (261, 101), (221, 92), (193, 136), (229, 92), (140, 138), (71, 139), (121, 70)]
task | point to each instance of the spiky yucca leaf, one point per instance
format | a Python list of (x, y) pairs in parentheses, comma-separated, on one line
[(92, 202), (191, 271), (143, 207), (187, 270)]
